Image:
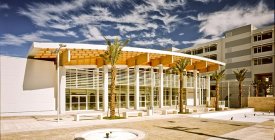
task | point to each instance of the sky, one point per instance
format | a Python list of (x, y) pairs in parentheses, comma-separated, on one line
[(156, 24)]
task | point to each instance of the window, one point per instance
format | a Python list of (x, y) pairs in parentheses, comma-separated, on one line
[(188, 52), (266, 35), (263, 36), (214, 57), (263, 60), (213, 47), (198, 51), (207, 49), (263, 48)]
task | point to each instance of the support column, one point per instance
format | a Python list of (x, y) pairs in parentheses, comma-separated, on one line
[(199, 90), (62, 90), (195, 83), (128, 89), (170, 89), (136, 88), (97, 89), (152, 87), (105, 88), (160, 86), (207, 90)]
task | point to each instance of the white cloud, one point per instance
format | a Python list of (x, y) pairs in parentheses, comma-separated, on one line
[(64, 16), (17, 40), (144, 43), (207, 1), (218, 22), (93, 34), (56, 33), (163, 42), (149, 35), (4, 6), (131, 36), (181, 34), (9, 39), (52, 15), (199, 41), (137, 27)]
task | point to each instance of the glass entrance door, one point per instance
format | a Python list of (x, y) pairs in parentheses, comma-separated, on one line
[(78, 102)]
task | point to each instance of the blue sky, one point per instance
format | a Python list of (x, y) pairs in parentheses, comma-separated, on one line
[(157, 24)]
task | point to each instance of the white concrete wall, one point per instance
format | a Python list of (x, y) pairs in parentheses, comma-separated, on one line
[(27, 86)]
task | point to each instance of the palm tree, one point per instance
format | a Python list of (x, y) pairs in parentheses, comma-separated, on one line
[(240, 76), (179, 67), (111, 56), (217, 76)]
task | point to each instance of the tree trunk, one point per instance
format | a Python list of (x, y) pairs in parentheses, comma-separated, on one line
[(257, 90), (113, 88), (217, 95), (240, 94), (181, 93)]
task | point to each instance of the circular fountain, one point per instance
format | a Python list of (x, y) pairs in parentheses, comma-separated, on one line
[(111, 134)]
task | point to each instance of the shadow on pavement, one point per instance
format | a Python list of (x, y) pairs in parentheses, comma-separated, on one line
[(189, 130)]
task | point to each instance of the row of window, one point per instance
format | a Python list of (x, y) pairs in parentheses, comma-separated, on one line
[(263, 48), (263, 36), (210, 48), (213, 56), (263, 60)]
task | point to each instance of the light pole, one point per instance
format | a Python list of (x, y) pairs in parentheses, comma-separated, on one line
[(57, 51)]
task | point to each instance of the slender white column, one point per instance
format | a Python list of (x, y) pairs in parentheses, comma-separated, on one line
[(170, 89), (199, 90), (97, 89), (57, 88), (62, 90), (136, 87), (160, 86), (207, 90), (105, 88), (128, 89), (195, 87), (152, 87)]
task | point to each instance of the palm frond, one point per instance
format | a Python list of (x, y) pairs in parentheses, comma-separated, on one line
[(218, 75), (240, 74), (180, 65), (111, 55)]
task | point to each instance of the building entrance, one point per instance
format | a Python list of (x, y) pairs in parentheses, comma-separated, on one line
[(78, 102)]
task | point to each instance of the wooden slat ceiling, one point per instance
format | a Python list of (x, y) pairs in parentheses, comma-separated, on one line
[(91, 57)]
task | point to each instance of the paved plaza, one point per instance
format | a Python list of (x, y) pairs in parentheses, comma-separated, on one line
[(158, 127)]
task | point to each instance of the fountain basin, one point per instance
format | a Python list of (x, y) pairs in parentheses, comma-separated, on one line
[(113, 134)]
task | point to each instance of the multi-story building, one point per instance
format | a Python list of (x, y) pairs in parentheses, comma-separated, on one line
[(244, 47)]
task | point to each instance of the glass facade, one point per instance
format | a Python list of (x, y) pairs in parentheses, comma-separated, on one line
[(84, 88)]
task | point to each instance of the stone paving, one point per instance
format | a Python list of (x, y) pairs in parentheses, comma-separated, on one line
[(159, 127)]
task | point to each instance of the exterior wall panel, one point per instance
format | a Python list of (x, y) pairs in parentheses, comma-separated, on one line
[(239, 42), (238, 64), (238, 53), (27, 86)]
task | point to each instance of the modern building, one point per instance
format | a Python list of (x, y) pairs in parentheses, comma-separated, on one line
[(244, 47), (37, 85)]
